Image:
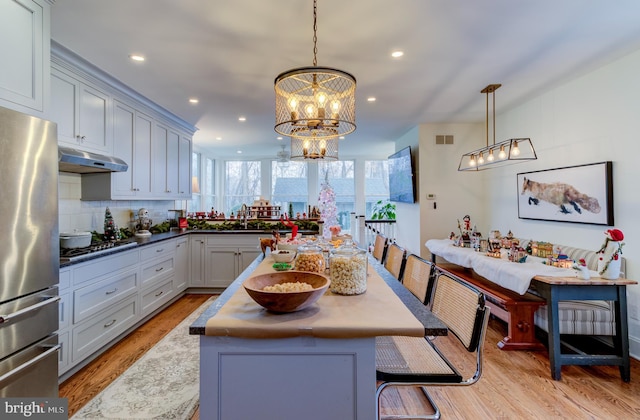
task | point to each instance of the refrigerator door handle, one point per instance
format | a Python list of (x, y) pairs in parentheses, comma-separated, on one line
[(29, 363), (9, 317)]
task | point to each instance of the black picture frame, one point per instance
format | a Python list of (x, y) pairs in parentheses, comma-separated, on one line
[(572, 194)]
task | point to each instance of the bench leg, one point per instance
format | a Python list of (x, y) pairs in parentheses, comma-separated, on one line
[(521, 329)]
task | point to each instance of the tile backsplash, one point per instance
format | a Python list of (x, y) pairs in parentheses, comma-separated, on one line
[(89, 215)]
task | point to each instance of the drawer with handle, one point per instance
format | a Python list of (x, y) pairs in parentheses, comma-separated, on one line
[(156, 269), (153, 298), (161, 249), (92, 299), (98, 330)]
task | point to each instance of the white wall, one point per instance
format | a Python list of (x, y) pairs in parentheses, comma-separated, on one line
[(590, 119), (89, 215), (456, 193), (408, 215)]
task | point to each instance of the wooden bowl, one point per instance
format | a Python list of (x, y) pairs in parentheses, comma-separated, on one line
[(286, 301)]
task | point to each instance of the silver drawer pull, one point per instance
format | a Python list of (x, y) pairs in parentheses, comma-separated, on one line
[(28, 364), (9, 317), (159, 269), (110, 323), (160, 250), (110, 292), (160, 293)]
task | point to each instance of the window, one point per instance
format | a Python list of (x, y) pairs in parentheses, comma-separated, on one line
[(376, 184), (209, 196), (290, 186), (242, 184), (194, 203), (341, 177)]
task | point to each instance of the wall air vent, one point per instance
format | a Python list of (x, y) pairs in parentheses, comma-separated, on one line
[(444, 139)]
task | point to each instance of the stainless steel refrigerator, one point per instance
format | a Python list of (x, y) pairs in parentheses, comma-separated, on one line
[(29, 256)]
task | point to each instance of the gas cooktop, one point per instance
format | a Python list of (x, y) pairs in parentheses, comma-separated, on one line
[(93, 250)]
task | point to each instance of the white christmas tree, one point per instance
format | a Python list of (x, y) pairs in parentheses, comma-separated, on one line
[(328, 209)]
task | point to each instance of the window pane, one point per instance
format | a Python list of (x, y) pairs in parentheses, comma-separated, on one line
[(376, 184), (209, 198), (289, 185), (242, 184), (340, 176)]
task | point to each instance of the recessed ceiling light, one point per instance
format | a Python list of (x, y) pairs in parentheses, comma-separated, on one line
[(397, 54), (218, 138), (193, 100), (279, 138), (136, 57), (242, 119), (371, 99), (239, 152)]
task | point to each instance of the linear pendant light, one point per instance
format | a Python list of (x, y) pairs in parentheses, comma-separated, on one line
[(497, 154)]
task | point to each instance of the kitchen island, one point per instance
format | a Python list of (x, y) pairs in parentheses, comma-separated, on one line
[(318, 363)]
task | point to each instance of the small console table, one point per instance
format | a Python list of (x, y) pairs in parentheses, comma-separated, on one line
[(555, 289)]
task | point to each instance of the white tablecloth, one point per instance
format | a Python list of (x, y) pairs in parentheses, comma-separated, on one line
[(510, 275)]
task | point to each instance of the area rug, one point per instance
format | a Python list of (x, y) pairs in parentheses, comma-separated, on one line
[(162, 384)]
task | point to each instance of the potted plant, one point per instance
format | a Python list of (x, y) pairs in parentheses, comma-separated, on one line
[(384, 210)]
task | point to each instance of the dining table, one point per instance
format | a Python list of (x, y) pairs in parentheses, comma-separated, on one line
[(316, 363)]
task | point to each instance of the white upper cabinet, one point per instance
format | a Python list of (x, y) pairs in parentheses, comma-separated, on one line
[(171, 164), (82, 113), (184, 167), (24, 51)]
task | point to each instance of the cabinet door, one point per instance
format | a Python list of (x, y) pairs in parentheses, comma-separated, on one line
[(92, 119), (246, 255), (24, 48), (197, 247), (123, 122), (172, 163), (143, 140), (184, 167), (159, 162), (64, 109), (221, 266), (182, 265)]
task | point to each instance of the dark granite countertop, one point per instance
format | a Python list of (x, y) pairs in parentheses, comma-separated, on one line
[(159, 237), (432, 325)]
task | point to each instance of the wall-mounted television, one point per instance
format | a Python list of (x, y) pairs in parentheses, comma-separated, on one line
[(401, 179)]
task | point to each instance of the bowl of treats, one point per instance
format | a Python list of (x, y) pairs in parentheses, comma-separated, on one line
[(283, 255), (286, 291)]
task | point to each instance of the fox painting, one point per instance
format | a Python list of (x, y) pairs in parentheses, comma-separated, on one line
[(562, 195)]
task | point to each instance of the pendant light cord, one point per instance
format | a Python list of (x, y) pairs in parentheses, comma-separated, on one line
[(315, 36)]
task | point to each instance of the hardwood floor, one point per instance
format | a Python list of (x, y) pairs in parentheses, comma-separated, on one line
[(514, 385)]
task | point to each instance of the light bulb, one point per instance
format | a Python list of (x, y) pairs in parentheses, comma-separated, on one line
[(310, 110), (502, 153), (490, 157), (305, 147), (335, 109), (480, 159), (472, 160), (515, 150), (321, 98), (293, 108)]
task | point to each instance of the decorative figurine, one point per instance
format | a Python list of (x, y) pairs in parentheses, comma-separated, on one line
[(143, 223)]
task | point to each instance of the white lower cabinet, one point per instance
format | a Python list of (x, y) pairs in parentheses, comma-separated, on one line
[(103, 298), (100, 329), (217, 259)]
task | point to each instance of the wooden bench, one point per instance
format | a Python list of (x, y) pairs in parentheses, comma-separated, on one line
[(515, 309)]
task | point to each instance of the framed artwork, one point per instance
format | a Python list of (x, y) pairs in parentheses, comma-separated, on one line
[(573, 194)]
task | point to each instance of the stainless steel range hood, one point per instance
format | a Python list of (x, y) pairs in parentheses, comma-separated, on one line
[(82, 162)]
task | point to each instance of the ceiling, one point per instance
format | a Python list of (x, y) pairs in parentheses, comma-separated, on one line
[(228, 53)]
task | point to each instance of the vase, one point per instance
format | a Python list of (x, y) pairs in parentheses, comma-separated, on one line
[(613, 270)]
